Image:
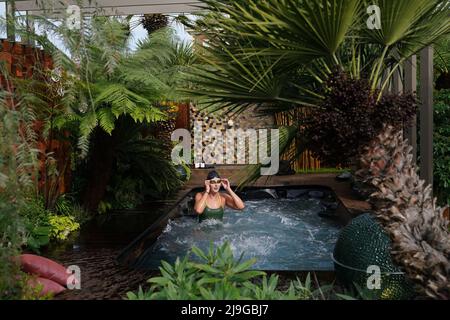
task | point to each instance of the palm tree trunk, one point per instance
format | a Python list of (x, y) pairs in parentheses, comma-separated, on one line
[(100, 168), (406, 209)]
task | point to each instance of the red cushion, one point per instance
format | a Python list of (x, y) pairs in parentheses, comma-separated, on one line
[(44, 268), (48, 286)]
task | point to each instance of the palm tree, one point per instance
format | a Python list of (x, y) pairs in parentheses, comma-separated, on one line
[(277, 54), (104, 81)]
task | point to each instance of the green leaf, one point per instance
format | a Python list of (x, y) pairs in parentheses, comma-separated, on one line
[(106, 120), (206, 268)]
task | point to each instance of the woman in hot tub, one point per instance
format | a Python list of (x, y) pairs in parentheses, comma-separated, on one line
[(210, 204)]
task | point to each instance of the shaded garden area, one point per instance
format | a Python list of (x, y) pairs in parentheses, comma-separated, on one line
[(86, 123)]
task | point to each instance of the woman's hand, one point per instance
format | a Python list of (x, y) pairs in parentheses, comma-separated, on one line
[(207, 186), (226, 184)]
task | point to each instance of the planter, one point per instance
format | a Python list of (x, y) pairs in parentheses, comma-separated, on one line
[(364, 243)]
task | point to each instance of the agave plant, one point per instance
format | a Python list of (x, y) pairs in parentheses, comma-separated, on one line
[(278, 55)]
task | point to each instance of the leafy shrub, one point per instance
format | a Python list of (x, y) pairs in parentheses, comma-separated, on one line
[(125, 195), (36, 221), (12, 237), (350, 117), (442, 146), (104, 206), (63, 205), (43, 225), (32, 292), (219, 275), (80, 214)]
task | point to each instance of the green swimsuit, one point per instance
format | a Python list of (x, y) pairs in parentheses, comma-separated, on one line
[(209, 213)]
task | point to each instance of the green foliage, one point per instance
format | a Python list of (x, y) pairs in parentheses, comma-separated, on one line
[(184, 171), (442, 146), (102, 82), (143, 168), (442, 55), (104, 207), (110, 81), (66, 205), (62, 226), (125, 192), (43, 225), (278, 54), (31, 290), (36, 220), (12, 236), (350, 117), (217, 275), (63, 205), (18, 159)]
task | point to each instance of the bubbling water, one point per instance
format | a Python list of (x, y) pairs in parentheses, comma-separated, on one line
[(282, 234)]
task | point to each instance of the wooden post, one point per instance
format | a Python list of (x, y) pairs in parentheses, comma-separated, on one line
[(426, 115), (411, 87), (397, 86), (10, 20)]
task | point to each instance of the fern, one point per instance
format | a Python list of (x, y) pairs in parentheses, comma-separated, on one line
[(88, 124), (106, 120), (104, 74)]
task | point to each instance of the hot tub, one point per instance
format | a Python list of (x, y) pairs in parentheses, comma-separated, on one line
[(284, 228)]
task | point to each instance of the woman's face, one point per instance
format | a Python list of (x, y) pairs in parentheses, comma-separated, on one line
[(215, 184)]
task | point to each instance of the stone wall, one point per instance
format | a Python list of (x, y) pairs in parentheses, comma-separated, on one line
[(249, 119)]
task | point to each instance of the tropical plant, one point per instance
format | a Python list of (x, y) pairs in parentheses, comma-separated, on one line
[(62, 226), (217, 275), (350, 117), (442, 63), (103, 81), (12, 236), (43, 225), (36, 221), (277, 54), (18, 163), (142, 169)]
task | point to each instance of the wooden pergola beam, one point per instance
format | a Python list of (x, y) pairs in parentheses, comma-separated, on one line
[(111, 7)]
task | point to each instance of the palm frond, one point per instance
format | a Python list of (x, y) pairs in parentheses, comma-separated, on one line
[(106, 120), (253, 172)]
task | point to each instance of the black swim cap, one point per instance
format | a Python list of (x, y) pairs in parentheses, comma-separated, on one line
[(212, 174)]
